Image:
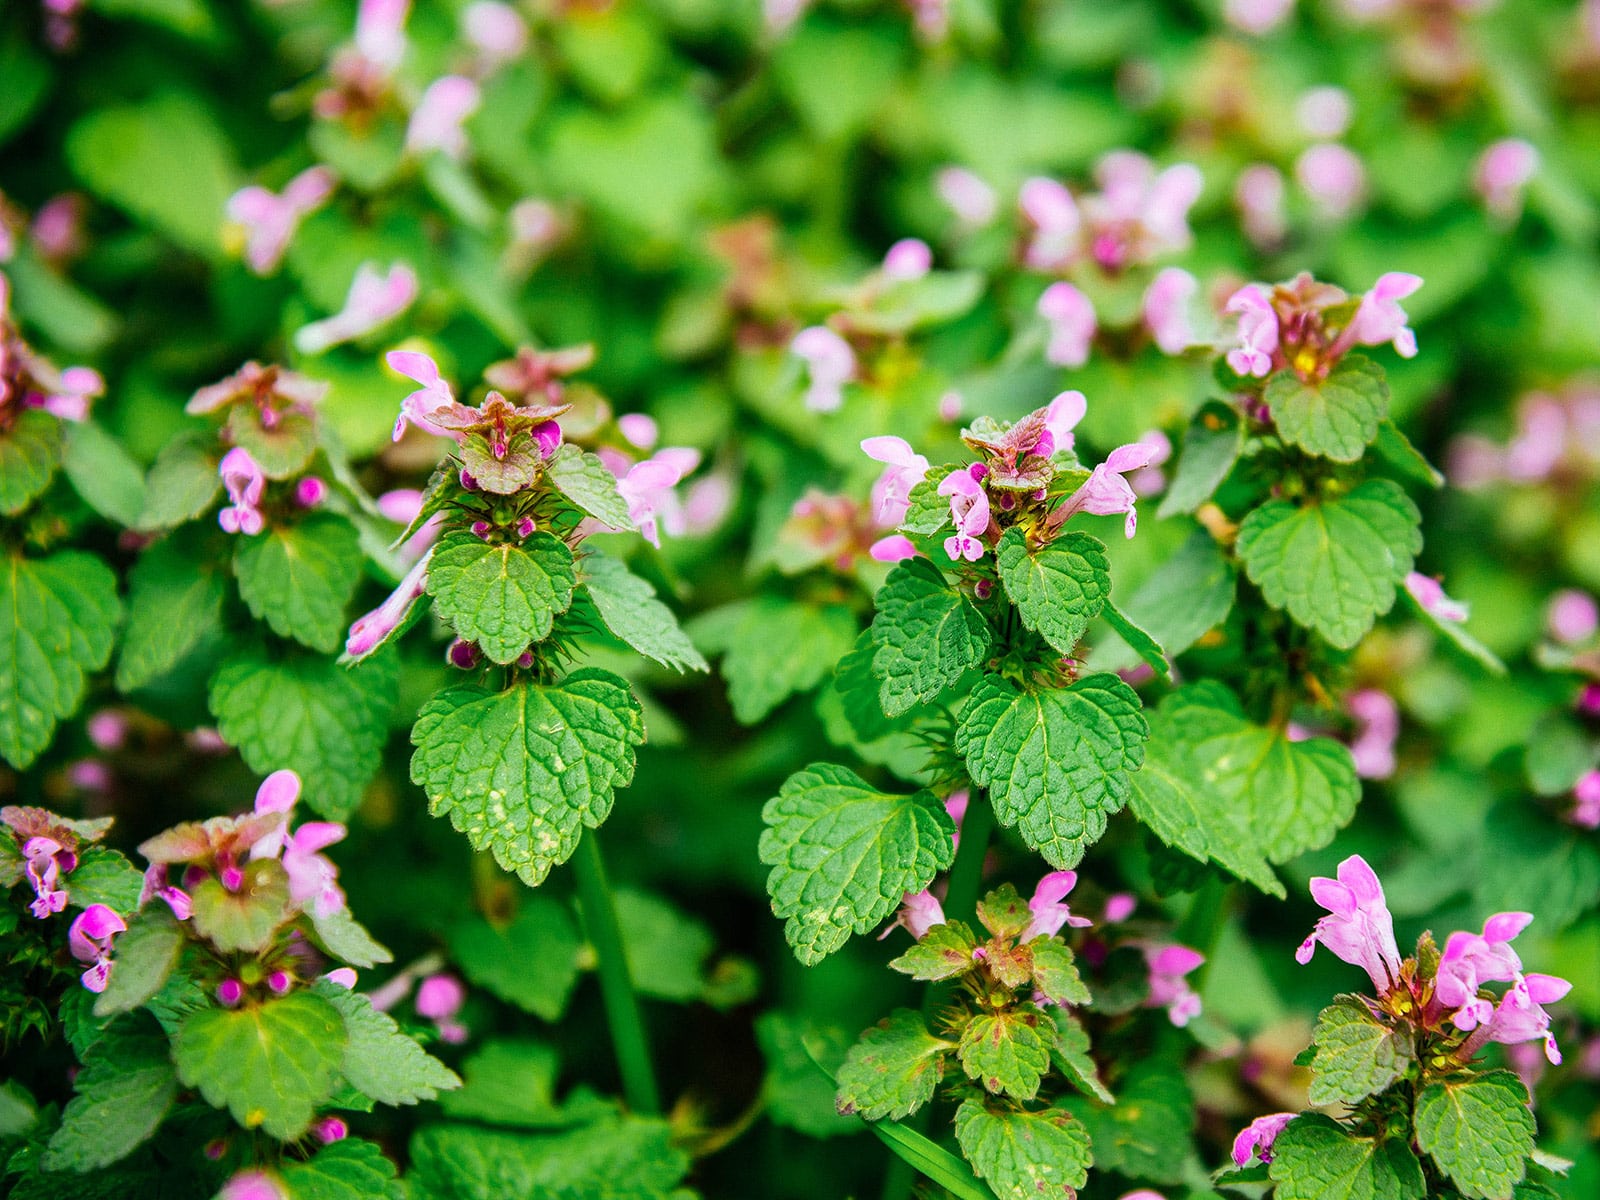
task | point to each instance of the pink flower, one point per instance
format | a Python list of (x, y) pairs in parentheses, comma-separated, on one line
[(328, 1130), (640, 430), (270, 219), (956, 805), (1106, 492), (1502, 175), (1586, 813), (436, 122), (1378, 726), (253, 1185), (1053, 214), (156, 886), (45, 859), (245, 482), (778, 16), (381, 31), (1358, 927), (1139, 214), (1255, 1139), (310, 492), (1325, 112), (1061, 417), (647, 487), (1541, 441), (1379, 318), (107, 729), (370, 631), (1572, 616), (969, 509), (830, 363), (1259, 196), (1166, 309), (433, 394), (1258, 332), (1119, 907), (312, 875), (64, 395), (344, 977), (90, 939), (1430, 596), (919, 912), (1049, 908), (907, 259), (497, 31), (57, 228), (973, 201), (1071, 318), (374, 299), (1168, 988), (1333, 178), (891, 494), (1471, 960), (1150, 479), (1520, 1016), (439, 999)]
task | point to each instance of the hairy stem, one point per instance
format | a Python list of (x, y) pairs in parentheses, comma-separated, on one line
[(616, 984)]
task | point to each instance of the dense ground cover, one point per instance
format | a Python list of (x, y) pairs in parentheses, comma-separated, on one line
[(679, 597)]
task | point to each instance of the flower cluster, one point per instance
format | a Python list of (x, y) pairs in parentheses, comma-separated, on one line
[(1307, 327), (44, 849), (30, 381)]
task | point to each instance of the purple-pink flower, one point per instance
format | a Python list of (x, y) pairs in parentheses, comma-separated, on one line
[(830, 363), (1259, 197), (312, 876), (1258, 332), (1255, 1139), (647, 488), (90, 939), (253, 1184), (919, 912), (370, 631), (439, 999), (1572, 616), (1379, 317), (969, 509), (1049, 908), (269, 219), (437, 122), (1169, 989), (1358, 927), (245, 482), (1106, 492), (1166, 309), (44, 859), (433, 394), (1053, 214), (1429, 594), (1071, 319), (1471, 960), (1333, 178), (904, 469), (1377, 719), (907, 259), (973, 201), (497, 31), (374, 299), (157, 886), (1519, 1016), (1585, 813), (1502, 175)]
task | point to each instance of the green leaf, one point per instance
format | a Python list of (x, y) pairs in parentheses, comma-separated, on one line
[(1184, 598), (1221, 789), (586, 481), (247, 918), (521, 772), (1211, 446), (124, 1091), (1356, 1055), (1538, 862), (665, 948), (1478, 1131), (299, 578), (30, 452), (1396, 452), (1455, 633), (926, 635), (1333, 565), (1139, 641), (931, 1159), (1006, 1052), (513, 1083), (344, 938), (797, 1095), (104, 876), (183, 482), (1055, 972), (58, 616), (269, 1064), (104, 474), (531, 962), (175, 596), (1336, 417), (503, 597), (893, 1070), (1024, 1155), (379, 1060), (628, 606), (146, 953), (944, 952), (311, 715), (1070, 1054), (843, 854), (125, 155), (1146, 1134), (773, 648), (627, 1158), (350, 1169), (1058, 589), (1315, 1158), (1058, 762)]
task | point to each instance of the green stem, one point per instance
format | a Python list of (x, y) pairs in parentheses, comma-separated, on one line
[(965, 882), (1201, 928), (616, 985)]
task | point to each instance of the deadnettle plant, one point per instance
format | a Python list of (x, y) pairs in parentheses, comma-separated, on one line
[(1404, 1063)]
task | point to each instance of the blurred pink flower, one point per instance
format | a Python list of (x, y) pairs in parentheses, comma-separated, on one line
[(436, 123), (497, 31), (1259, 197), (1168, 988), (1072, 324), (1166, 309), (1377, 719), (1325, 112), (1430, 596), (270, 219), (1572, 616), (904, 469), (1333, 178), (374, 300), (1053, 215), (369, 631), (1502, 174), (90, 938), (973, 201), (907, 259), (1256, 16), (830, 363)]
